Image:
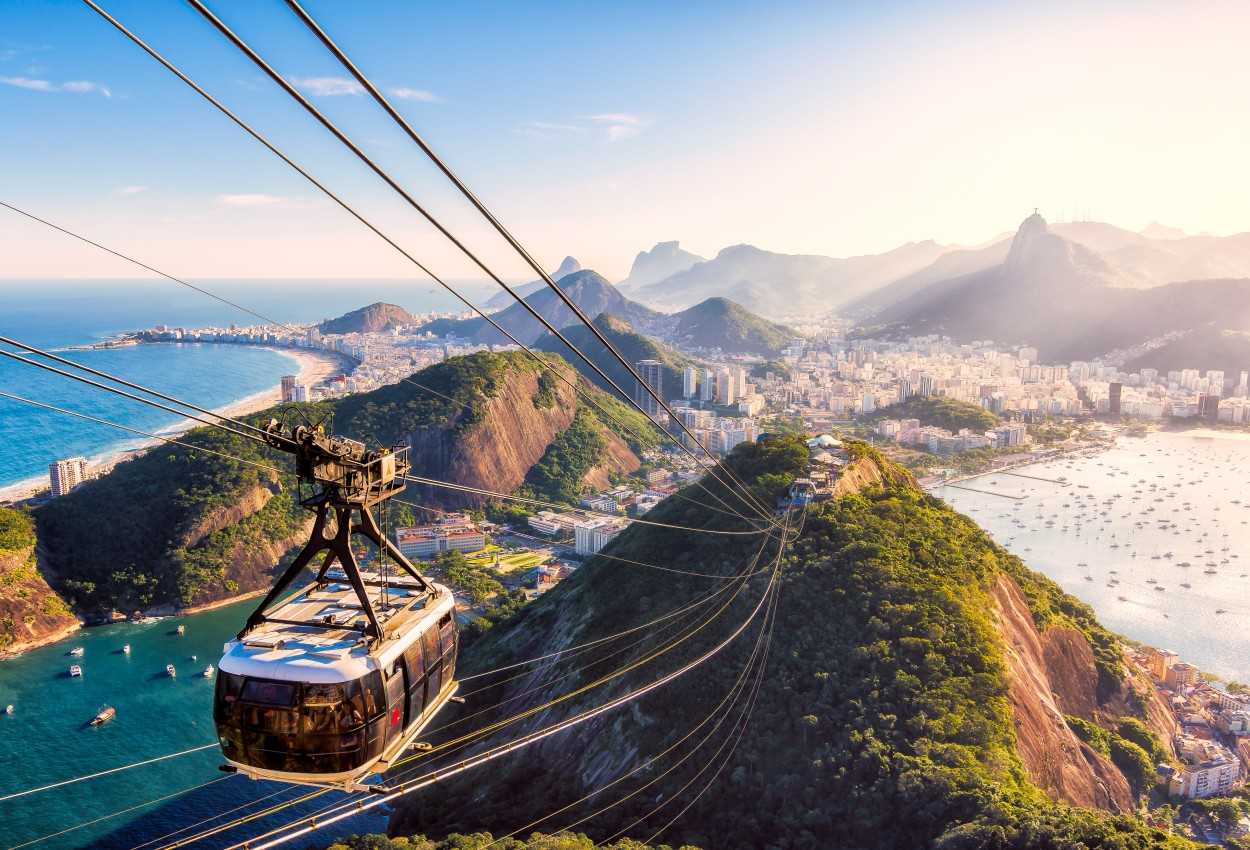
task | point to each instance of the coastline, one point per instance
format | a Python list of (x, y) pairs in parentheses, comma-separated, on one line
[(313, 367), (60, 634)]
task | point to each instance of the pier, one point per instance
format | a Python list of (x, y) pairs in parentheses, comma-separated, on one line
[(985, 492)]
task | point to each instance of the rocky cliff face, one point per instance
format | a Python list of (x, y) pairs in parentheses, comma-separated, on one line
[(512, 433), (31, 613), (1052, 674)]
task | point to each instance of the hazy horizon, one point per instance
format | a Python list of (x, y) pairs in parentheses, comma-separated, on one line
[(811, 128)]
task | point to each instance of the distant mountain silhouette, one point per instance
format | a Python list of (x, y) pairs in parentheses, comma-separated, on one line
[(778, 284), (587, 289), (1155, 230), (1203, 348), (662, 261), (1063, 297), (954, 264), (501, 299), (376, 317)]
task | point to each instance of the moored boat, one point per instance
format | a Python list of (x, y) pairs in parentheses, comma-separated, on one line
[(75, 671), (169, 668), (104, 715)]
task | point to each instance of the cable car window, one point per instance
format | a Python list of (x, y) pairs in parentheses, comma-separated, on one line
[(430, 640), (280, 721), (228, 686), (375, 695), (269, 693), (324, 711), (416, 665)]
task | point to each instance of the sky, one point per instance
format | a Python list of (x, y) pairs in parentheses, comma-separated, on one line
[(600, 129)]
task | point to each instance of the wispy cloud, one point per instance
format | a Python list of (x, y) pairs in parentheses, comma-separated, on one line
[(345, 86), (405, 93), (548, 129), (128, 191), (74, 86), (252, 199), (619, 125), (329, 86)]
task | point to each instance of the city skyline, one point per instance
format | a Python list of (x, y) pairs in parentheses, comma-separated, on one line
[(795, 131)]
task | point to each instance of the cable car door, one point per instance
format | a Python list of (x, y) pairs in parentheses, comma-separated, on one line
[(396, 699)]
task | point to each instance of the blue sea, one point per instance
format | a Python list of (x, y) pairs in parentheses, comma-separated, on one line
[(47, 740), (58, 314)]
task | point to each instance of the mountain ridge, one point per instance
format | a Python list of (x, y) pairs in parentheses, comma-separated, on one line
[(772, 283), (587, 288), (1063, 297), (501, 300)]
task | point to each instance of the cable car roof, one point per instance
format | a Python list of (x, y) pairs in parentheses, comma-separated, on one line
[(319, 652)]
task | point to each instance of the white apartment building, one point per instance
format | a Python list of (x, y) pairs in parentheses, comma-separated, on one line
[(65, 475), (590, 537), (1208, 769), (451, 532)]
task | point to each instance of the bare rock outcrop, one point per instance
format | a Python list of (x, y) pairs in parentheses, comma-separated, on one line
[(510, 436), (31, 612), (1056, 759)]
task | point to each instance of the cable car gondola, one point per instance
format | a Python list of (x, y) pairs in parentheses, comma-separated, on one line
[(335, 683)]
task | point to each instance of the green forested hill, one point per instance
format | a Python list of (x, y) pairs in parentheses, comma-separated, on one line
[(940, 411), (727, 325), (178, 527), (883, 721)]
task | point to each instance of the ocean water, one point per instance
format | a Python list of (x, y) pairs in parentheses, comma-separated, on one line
[(59, 314), (47, 740), (1129, 528)]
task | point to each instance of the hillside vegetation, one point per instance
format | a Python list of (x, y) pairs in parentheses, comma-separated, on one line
[(177, 527), (483, 840), (941, 412), (885, 720), (29, 610), (724, 324)]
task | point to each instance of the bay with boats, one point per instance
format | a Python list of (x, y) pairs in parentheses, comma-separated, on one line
[(51, 736), (1153, 533)]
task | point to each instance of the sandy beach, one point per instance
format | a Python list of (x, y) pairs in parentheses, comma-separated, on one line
[(314, 367)]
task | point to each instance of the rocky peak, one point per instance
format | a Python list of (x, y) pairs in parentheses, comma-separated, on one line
[(567, 266), (1026, 245), (662, 261)]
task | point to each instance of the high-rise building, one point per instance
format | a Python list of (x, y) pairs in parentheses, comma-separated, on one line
[(707, 386), (288, 388), (926, 385), (65, 475), (1209, 406), (1243, 388), (299, 393), (690, 382), (1115, 391), (725, 390), (650, 373)]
